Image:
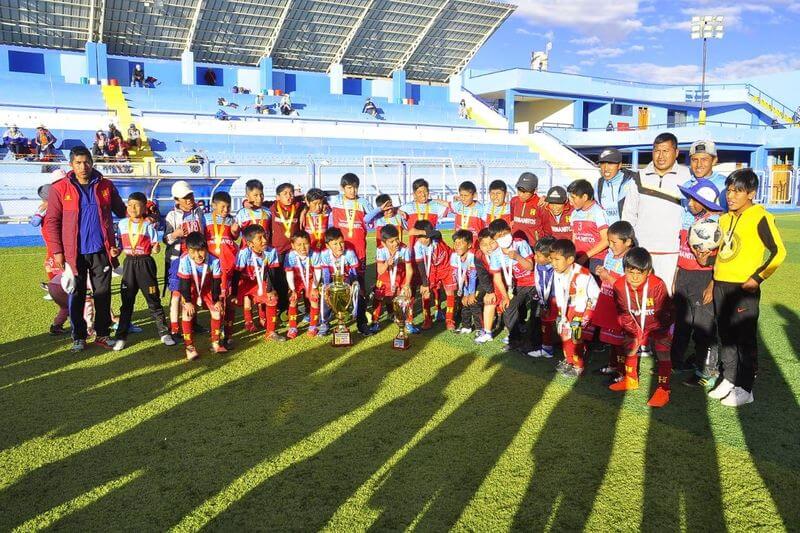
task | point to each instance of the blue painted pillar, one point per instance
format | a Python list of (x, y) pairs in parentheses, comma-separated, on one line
[(91, 62), (454, 88), (634, 159), (96, 62), (510, 97), (265, 73), (187, 68), (577, 114), (102, 62), (336, 76), (398, 86)]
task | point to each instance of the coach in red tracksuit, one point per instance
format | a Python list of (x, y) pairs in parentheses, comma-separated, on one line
[(80, 232)]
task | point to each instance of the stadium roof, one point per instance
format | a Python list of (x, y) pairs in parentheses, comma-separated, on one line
[(430, 39)]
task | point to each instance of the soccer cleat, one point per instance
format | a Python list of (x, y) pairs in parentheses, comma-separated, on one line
[(291, 333), (306, 319), (506, 339), (571, 371), (464, 331), (312, 331), (440, 316), (535, 353), (177, 338), (133, 328), (43, 286), (547, 352), (720, 391), (483, 338), (323, 329), (374, 327), (105, 342), (660, 398), (250, 327), (450, 325), (365, 330), (562, 365), (427, 323), (119, 345), (411, 328), (216, 347), (191, 353), (78, 345), (167, 340), (695, 380), (47, 297), (626, 383), (57, 330), (737, 397), (274, 337)]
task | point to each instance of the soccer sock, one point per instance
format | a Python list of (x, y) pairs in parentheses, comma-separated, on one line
[(664, 371), (632, 367), (271, 317), (451, 306), (377, 305), (216, 323), (292, 314), (174, 327), (188, 337), (619, 359), (248, 316), (262, 314), (569, 351), (547, 334), (230, 316), (580, 348), (426, 308), (313, 319)]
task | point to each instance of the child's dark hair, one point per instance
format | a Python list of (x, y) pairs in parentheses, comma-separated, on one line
[(743, 179), (349, 179), (463, 235), (221, 196), (283, 186), (389, 231), (416, 184), (580, 188), (314, 194), (637, 258), (332, 234), (564, 248), (196, 241), (623, 230), (498, 185), (544, 245), (300, 234), (138, 197), (496, 226), (254, 185), (423, 225), (484, 234), (666, 137), (251, 231), (382, 199), (467, 186)]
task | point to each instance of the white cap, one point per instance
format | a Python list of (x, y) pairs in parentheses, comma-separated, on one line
[(703, 147), (181, 189)]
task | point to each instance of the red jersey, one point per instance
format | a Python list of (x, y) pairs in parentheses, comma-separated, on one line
[(429, 210), (557, 226), (285, 221), (686, 258), (220, 239), (492, 212), (526, 220), (316, 224), (260, 216), (657, 307), (348, 215), (468, 218), (587, 223)]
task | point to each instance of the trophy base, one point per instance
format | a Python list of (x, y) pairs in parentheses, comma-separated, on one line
[(401, 343), (341, 339)]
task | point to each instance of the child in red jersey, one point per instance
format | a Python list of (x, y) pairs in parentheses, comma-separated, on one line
[(497, 206), (434, 273), (385, 213), (576, 294), (285, 214), (645, 312), (253, 210), (138, 238), (221, 234), (526, 221), (302, 283), (316, 218), (557, 214), (589, 225), (200, 284), (421, 208), (491, 288), (253, 282), (469, 213), (621, 238), (37, 220), (348, 211), (394, 274)]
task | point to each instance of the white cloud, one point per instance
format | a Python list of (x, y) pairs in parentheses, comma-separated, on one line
[(605, 18), (571, 69), (756, 66), (586, 40), (636, 48), (653, 73), (601, 52)]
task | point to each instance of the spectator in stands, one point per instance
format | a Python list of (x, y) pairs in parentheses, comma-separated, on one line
[(15, 140), (113, 132), (222, 102), (610, 126), (371, 109), (118, 149), (45, 143), (462, 109), (100, 146), (209, 77), (137, 80), (286, 105), (221, 115), (775, 125), (134, 137), (260, 107)]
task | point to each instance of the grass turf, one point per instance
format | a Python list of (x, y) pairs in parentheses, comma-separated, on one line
[(446, 435)]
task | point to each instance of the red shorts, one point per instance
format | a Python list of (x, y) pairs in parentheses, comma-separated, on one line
[(205, 297), (442, 277), (661, 341), (249, 288), (300, 292), (613, 337)]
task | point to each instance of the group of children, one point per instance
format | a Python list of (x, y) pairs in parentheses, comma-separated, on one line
[(546, 269)]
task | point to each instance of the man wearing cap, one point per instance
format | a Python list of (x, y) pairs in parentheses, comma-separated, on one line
[(556, 215), (612, 186), (80, 233), (526, 222), (654, 207), (702, 158), (15, 140), (693, 317)]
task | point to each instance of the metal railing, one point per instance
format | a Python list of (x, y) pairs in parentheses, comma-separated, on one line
[(56, 109), (684, 124)]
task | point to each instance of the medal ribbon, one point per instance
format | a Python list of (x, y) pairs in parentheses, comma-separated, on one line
[(428, 259), (465, 218), (218, 229), (306, 270), (259, 273), (287, 224), (351, 217), (253, 218), (393, 273), (420, 216), (641, 305), (134, 232), (198, 283), (566, 295)]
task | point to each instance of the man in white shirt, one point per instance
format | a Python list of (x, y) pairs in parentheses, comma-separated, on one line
[(654, 208)]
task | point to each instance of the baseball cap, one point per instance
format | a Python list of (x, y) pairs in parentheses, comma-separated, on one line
[(181, 189), (528, 182), (610, 155), (703, 192), (556, 195), (703, 147), (43, 191)]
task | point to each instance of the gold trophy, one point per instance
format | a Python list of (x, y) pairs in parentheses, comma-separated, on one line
[(339, 297), (400, 305)]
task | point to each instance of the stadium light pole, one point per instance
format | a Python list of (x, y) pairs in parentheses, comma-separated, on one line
[(707, 27)]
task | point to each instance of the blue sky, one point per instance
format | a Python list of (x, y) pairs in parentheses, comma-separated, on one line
[(648, 40)]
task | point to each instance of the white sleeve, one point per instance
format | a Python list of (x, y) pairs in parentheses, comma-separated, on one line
[(630, 208)]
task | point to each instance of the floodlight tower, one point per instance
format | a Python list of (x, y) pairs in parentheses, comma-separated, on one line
[(707, 27)]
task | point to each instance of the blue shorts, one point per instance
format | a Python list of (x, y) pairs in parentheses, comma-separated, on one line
[(174, 280)]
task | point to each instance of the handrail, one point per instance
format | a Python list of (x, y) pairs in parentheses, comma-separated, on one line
[(744, 125), (786, 110), (57, 108), (565, 145)]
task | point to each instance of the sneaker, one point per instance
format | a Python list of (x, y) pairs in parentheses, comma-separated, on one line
[(605, 370), (44, 286), (57, 330), (547, 352), (365, 330), (572, 371), (439, 316), (312, 331), (119, 345), (78, 345), (535, 353), (660, 398), (167, 340), (720, 391), (217, 347), (709, 382), (274, 337), (483, 338), (626, 383), (450, 325), (291, 333), (322, 330), (506, 339), (562, 365), (464, 331), (191, 353), (374, 327), (306, 319), (47, 297), (695, 380), (411, 328), (737, 397), (134, 329), (105, 342)]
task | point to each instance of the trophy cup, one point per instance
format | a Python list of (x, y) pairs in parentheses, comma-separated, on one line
[(338, 296), (400, 305)]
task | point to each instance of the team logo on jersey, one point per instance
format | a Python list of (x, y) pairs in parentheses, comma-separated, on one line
[(106, 194), (67, 197), (533, 212)]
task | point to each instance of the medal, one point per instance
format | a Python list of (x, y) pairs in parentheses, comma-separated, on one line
[(392, 276), (198, 283), (134, 232), (726, 251), (287, 224), (492, 216), (316, 224)]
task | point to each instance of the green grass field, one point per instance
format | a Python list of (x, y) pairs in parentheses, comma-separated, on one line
[(301, 436)]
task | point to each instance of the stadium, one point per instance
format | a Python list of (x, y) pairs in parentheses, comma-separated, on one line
[(448, 434)]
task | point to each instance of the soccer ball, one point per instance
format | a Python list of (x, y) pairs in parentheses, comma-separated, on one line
[(705, 235)]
